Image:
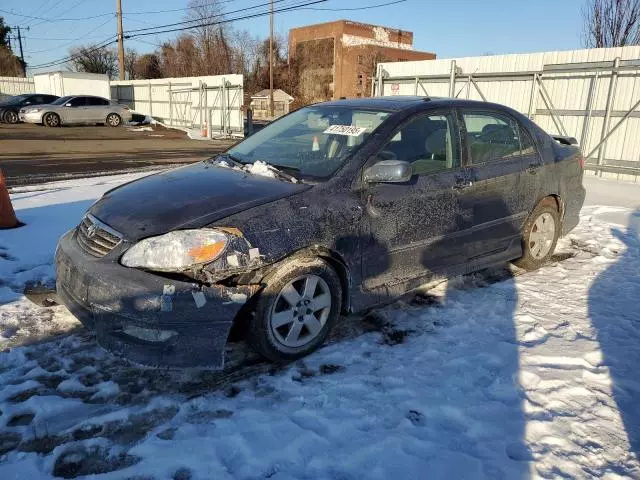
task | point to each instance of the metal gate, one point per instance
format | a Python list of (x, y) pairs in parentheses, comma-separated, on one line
[(219, 107), (605, 122), (188, 103)]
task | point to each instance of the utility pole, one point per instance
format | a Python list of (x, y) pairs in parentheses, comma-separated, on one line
[(120, 39), (24, 65), (271, 106)]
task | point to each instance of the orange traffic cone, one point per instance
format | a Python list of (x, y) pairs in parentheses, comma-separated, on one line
[(7, 215), (204, 132)]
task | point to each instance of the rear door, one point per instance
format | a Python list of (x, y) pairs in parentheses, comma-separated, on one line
[(96, 110), (417, 229), (499, 155)]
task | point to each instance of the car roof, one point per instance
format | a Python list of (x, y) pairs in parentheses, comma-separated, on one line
[(403, 102)]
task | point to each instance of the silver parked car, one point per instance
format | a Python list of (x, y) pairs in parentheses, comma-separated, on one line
[(77, 109)]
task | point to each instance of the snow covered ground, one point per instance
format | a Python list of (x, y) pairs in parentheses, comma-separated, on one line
[(532, 376)]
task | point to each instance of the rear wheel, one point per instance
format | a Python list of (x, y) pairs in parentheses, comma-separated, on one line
[(51, 120), (540, 235), (113, 120), (10, 116), (296, 310)]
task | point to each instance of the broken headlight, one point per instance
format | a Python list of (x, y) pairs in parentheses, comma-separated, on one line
[(176, 251)]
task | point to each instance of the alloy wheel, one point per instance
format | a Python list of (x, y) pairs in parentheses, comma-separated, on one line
[(300, 311), (541, 236), (11, 117), (113, 120), (52, 120)]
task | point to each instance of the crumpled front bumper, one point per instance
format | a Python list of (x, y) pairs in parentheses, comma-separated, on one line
[(146, 318)]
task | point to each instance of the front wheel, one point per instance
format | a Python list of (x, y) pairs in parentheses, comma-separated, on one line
[(10, 117), (113, 120), (539, 236), (296, 310), (51, 120)]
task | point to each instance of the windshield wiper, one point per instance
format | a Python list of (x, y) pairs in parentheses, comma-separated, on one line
[(278, 170), (226, 157)]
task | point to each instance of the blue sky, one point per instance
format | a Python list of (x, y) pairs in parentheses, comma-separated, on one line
[(449, 28)]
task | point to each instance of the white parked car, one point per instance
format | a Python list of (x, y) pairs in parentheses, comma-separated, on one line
[(77, 109)]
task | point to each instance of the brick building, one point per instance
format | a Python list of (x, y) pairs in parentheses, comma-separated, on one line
[(338, 59)]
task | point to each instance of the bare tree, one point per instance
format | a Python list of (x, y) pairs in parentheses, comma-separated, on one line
[(147, 66), (210, 38), (94, 60), (10, 65), (611, 23), (244, 47), (130, 59)]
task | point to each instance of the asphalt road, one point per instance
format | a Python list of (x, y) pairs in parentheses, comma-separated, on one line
[(31, 154)]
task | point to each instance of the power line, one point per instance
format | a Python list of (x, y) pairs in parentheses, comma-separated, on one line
[(204, 5), (44, 20), (366, 7), (220, 22), (109, 41), (72, 40), (205, 18)]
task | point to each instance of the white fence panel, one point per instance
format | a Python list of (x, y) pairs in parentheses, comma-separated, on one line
[(15, 86), (559, 90), (187, 102)]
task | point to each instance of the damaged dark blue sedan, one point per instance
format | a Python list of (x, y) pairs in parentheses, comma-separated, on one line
[(336, 207)]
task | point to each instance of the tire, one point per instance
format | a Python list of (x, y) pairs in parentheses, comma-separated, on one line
[(51, 120), (113, 120), (540, 235), (10, 117), (282, 330)]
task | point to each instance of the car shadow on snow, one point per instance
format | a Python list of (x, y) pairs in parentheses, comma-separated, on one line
[(615, 316), (497, 370)]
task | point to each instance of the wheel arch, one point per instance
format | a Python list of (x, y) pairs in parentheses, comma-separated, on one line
[(44, 115), (554, 200), (334, 259)]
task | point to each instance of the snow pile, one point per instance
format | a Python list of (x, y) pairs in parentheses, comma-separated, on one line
[(141, 129), (260, 168), (532, 376)]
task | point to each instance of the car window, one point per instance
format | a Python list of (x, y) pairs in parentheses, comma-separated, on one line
[(428, 142), (313, 141), (493, 137), (62, 100), (78, 102), (96, 102), (50, 98)]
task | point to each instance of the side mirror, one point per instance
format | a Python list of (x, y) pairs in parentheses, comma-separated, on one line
[(388, 171), (27, 103), (68, 105)]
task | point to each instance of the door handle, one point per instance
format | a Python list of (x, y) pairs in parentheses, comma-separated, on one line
[(462, 184)]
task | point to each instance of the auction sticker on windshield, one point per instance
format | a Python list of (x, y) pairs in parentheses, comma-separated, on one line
[(348, 130)]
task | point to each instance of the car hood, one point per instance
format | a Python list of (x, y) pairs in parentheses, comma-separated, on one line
[(187, 197)]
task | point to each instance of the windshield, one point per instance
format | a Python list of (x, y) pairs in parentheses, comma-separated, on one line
[(16, 99), (61, 101), (313, 141)]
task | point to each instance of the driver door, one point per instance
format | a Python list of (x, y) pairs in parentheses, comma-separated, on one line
[(418, 229), (76, 112)]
